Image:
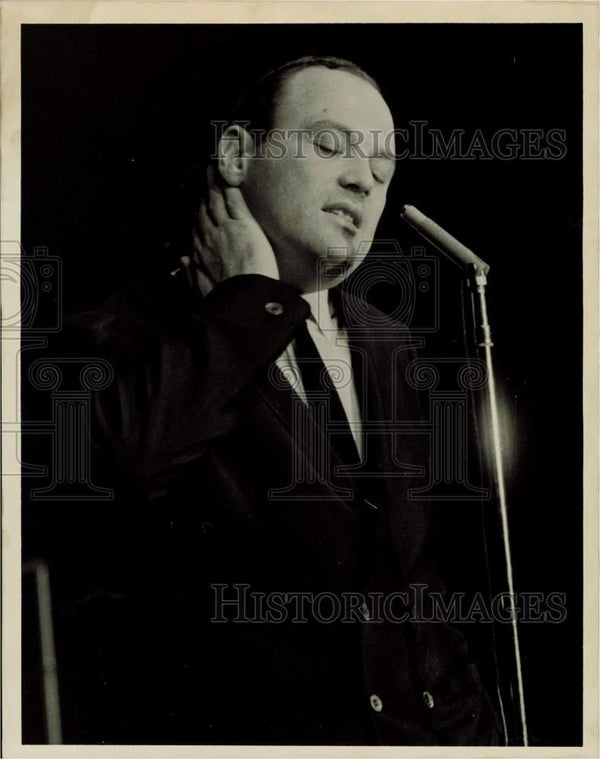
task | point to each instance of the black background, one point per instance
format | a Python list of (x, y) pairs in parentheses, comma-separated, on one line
[(115, 132)]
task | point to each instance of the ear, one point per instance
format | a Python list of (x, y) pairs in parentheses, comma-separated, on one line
[(234, 152)]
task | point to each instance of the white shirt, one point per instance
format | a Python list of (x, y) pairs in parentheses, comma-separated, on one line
[(331, 342)]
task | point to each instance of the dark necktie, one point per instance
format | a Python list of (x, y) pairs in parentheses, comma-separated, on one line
[(323, 398)]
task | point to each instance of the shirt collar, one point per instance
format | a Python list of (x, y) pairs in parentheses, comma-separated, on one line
[(322, 310)]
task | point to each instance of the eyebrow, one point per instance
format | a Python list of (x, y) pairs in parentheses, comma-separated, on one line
[(338, 126)]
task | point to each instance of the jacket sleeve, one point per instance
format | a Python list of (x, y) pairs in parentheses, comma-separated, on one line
[(174, 390)]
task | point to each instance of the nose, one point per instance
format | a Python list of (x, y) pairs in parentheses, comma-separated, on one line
[(357, 176)]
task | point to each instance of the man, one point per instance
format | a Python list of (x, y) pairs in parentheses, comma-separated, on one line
[(247, 487)]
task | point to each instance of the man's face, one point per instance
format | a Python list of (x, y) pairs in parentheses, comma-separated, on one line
[(319, 191)]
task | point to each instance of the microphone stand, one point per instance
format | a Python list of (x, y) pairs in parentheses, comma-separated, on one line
[(476, 271)]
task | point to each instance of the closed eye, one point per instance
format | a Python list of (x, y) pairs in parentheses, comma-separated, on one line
[(328, 142), (382, 170), (326, 149)]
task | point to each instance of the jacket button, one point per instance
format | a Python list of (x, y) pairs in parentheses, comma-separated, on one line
[(376, 703), (428, 699), (273, 308)]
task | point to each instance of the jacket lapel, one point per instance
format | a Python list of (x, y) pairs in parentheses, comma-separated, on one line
[(395, 459), (315, 471)]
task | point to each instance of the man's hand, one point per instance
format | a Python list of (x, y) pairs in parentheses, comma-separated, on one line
[(227, 240)]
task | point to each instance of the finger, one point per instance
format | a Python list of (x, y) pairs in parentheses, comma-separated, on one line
[(200, 251), (203, 223), (186, 266), (216, 201), (236, 204), (197, 273), (205, 257), (203, 283), (197, 245), (206, 226), (198, 240)]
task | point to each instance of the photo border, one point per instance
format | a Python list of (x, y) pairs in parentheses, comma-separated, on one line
[(15, 13)]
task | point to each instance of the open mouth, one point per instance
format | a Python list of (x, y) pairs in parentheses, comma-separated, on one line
[(346, 214)]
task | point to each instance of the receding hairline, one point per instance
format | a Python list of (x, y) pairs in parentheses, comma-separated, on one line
[(257, 105), (289, 76), (287, 70)]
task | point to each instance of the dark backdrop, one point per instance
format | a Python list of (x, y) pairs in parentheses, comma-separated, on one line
[(114, 132)]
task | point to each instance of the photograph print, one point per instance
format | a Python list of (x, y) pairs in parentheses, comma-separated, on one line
[(301, 384)]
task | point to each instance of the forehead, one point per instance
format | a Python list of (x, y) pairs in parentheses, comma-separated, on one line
[(317, 94)]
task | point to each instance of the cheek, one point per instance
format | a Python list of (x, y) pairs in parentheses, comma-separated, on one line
[(291, 191), (270, 194)]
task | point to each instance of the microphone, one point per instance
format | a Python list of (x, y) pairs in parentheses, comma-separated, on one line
[(443, 241)]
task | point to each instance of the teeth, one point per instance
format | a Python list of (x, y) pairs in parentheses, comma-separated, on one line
[(343, 214)]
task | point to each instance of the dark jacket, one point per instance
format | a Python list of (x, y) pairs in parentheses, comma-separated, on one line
[(218, 496)]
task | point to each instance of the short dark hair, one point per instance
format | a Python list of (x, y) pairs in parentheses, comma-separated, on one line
[(256, 107)]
